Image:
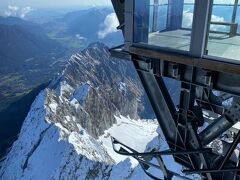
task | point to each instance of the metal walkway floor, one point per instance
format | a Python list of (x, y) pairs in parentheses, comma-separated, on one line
[(219, 45)]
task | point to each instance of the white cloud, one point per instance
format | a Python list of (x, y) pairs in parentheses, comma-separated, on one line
[(109, 26), (217, 27), (223, 1), (25, 11), (16, 11), (13, 8), (79, 37), (188, 19)]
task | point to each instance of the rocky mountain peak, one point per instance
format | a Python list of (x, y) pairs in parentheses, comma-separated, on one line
[(93, 88), (66, 134)]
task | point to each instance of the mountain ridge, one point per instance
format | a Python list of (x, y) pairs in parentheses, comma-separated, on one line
[(28, 58), (24, 24), (67, 119)]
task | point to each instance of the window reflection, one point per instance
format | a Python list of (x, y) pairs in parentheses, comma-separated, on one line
[(223, 35), (164, 23)]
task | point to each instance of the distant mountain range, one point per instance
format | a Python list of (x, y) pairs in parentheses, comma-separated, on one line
[(19, 46), (67, 132), (34, 28), (23, 42), (32, 54), (28, 57), (85, 24)]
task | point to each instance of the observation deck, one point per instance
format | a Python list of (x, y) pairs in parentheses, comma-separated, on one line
[(195, 44)]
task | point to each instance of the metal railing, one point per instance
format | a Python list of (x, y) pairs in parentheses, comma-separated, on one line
[(232, 24)]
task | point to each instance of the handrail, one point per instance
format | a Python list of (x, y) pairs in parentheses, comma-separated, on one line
[(222, 23), (227, 5)]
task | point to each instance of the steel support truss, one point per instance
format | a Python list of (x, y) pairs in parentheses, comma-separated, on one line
[(202, 90)]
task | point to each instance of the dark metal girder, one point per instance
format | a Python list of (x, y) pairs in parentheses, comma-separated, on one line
[(144, 164), (199, 171), (118, 52), (160, 100), (220, 125), (165, 111), (198, 82), (203, 63), (223, 76), (119, 8), (168, 174), (198, 145), (230, 151), (161, 153), (215, 129)]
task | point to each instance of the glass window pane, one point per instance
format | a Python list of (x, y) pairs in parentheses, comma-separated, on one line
[(224, 2), (238, 18), (164, 23), (187, 15), (223, 35)]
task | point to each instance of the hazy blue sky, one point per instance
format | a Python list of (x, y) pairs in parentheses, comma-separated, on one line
[(67, 3), (54, 3)]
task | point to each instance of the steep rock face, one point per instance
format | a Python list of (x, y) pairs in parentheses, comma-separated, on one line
[(60, 138), (96, 87), (52, 150), (47, 150)]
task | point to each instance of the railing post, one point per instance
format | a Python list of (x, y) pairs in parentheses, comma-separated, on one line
[(234, 15), (129, 23), (155, 15), (199, 27), (234, 25), (175, 14)]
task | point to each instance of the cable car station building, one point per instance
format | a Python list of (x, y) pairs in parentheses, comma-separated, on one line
[(184, 40)]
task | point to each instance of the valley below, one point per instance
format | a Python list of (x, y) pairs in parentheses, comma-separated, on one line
[(33, 52)]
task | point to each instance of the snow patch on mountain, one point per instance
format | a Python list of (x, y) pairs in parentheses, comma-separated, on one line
[(81, 93), (67, 133), (135, 133), (47, 150), (122, 87)]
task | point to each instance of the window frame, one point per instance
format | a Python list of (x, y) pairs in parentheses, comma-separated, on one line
[(212, 57), (199, 33)]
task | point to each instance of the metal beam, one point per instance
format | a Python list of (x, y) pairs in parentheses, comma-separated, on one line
[(175, 14), (215, 129), (230, 151), (234, 14), (198, 145), (155, 16), (198, 75), (199, 28), (119, 8), (168, 174), (160, 101), (200, 171), (204, 63), (128, 23), (224, 76), (161, 153)]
